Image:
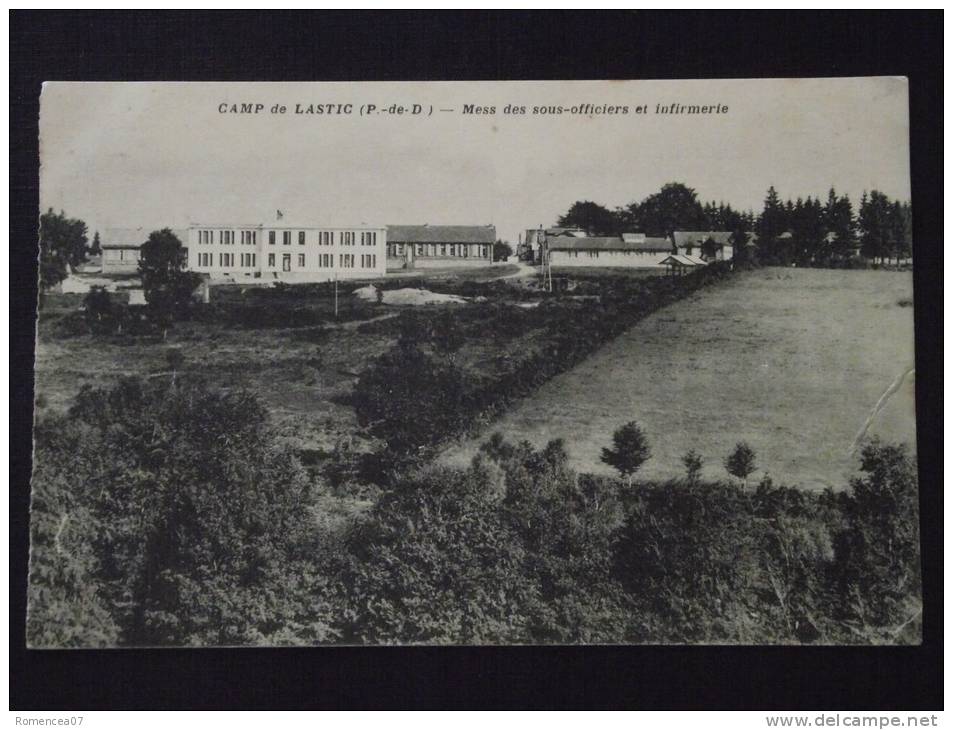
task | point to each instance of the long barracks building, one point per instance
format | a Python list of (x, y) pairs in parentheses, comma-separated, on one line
[(309, 252), (427, 246)]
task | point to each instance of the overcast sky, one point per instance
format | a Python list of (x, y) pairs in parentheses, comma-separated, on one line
[(156, 154)]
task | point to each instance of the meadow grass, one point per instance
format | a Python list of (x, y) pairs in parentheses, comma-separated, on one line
[(793, 361)]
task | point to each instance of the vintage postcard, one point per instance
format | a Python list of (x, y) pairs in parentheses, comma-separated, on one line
[(475, 363)]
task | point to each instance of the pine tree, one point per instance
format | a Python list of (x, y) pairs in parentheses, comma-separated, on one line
[(839, 225), (630, 449), (874, 224), (898, 230), (771, 224), (740, 462)]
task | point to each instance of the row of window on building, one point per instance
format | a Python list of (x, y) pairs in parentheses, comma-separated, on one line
[(325, 260), (595, 254), (440, 249), (248, 238), (324, 238), (120, 254), (248, 260)]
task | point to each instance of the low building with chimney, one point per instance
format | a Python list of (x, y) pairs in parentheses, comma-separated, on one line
[(629, 250)]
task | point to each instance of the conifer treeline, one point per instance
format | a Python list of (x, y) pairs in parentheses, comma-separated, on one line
[(814, 232), (808, 231)]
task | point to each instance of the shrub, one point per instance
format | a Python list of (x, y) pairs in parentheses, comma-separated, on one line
[(71, 324), (196, 519), (796, 553), (693, 463), (688, 556), (262, 315), (435, 563), (67, 607), (878, 551), (99, 312), (410, 400), (174, 359), (567, 526)]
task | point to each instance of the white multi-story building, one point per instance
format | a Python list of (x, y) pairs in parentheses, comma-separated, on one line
[(287, 253)]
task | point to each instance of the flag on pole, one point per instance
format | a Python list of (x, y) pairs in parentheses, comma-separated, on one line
[(280, 214)]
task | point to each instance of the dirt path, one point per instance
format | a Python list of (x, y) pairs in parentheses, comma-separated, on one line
[(355, 323), (524, 271)]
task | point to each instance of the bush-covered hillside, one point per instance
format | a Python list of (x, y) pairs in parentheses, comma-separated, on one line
[(169, 513)]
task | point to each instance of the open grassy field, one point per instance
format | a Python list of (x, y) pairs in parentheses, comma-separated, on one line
[(793, 361), (299, 380)]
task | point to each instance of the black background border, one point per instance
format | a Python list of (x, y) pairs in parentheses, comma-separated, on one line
[(235, 46)]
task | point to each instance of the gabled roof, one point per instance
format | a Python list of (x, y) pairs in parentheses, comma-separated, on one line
[(575, 232), (683, 260), (441, 234), (696, 238), (128, 238), (559, 231), (123, 237), (610, 243)]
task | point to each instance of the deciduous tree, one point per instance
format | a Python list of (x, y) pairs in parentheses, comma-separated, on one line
[(674, 207), (594, 219), (167, 285), (502, 251), (62, 246)]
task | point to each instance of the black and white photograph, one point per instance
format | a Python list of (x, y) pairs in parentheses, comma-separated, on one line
[(475, 363)]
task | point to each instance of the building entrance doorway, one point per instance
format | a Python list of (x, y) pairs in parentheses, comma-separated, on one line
[(286, 262)]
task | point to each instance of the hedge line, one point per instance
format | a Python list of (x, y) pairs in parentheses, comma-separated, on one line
[(574, 331)]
